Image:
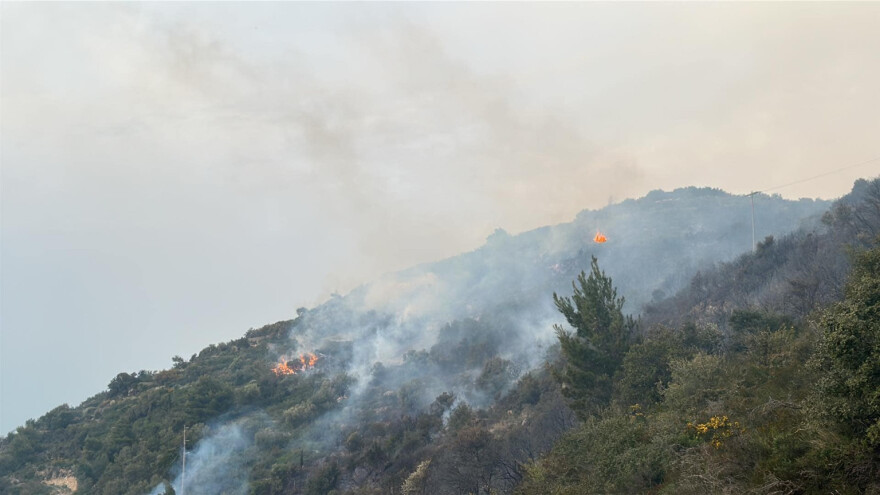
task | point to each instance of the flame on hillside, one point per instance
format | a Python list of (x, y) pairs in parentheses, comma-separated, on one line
[(293, 366)]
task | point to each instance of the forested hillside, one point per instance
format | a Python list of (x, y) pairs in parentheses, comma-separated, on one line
[(760, 377), (757, 373)]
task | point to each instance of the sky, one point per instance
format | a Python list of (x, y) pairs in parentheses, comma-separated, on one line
[(173, 174)]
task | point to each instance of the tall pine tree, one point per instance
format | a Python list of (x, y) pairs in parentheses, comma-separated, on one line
[(601, 337)]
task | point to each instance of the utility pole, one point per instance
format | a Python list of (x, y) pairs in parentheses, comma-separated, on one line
[(183, 474), (752, 198)]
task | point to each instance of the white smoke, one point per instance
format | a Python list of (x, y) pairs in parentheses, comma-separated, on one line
[(217, 464)]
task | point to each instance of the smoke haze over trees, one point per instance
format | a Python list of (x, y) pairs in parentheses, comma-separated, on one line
[(449, 377), (549, 247), (173, 173)]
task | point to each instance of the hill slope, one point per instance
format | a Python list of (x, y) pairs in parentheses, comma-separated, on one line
[(430, 363), (761, 376)]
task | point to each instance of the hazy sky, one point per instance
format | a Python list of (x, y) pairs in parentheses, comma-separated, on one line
[(173, 174)]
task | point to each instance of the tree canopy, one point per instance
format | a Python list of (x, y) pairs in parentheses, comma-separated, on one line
[(602, 334), (849, 352)]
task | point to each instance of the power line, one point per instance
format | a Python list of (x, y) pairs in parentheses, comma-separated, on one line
[(752, 194), (876, 158)]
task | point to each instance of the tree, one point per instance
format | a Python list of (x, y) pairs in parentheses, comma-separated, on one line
[(179, 362), (646, 367), (122, 385), (849, 352), (595, 351), (324, 480), (469, 463), (415, 482)]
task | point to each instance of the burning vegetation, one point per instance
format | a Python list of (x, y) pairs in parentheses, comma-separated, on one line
[(291, 367)]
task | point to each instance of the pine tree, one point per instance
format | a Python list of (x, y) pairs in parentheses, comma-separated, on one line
[(601, 337)]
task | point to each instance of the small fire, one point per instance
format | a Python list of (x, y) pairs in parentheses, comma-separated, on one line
[(600, 238), (291, 367)]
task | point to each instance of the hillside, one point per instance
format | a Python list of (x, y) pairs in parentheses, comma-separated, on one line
[(435, 379), (761, 376), (657, 243), (792, 274)]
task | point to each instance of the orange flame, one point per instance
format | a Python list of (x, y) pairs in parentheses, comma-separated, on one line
[(304, 362), (283, 369), (600, 238)]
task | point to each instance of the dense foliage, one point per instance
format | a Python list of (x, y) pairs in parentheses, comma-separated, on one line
[(849, 354)]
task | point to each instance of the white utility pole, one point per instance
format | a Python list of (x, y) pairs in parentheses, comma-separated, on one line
[(183, 474), (752, 198)]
